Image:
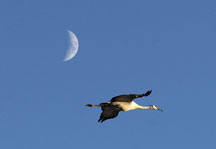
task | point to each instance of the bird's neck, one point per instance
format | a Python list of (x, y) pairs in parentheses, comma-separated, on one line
[(144, 107), (134, 106)]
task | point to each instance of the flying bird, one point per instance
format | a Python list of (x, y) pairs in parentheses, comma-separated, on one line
[(112, 108)]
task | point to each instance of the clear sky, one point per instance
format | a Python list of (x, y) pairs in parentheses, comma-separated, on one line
[(125, 46)]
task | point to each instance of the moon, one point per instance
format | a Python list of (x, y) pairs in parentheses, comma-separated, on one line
[(73, 47)]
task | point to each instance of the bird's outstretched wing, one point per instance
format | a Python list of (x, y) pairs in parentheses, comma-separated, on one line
[(109, 112), (129, 97)]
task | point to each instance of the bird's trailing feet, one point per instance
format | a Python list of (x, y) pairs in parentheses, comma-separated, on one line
[(89, 105)]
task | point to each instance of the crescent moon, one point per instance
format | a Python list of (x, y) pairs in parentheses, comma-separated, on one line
[(73, 47)]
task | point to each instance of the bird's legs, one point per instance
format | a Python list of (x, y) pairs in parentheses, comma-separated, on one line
[(91, 105)]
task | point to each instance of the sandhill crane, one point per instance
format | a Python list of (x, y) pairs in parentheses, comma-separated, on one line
[(112, 108)]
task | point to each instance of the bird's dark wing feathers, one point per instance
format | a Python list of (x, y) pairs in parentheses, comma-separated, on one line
[(129, 97), (109, 112), (124, 98)]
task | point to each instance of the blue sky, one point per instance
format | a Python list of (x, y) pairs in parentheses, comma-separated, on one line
[(128, 46)]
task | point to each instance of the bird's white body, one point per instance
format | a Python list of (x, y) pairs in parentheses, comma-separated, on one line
[(126, 106)]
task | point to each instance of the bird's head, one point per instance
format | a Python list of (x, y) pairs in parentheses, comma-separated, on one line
[(156, 108)]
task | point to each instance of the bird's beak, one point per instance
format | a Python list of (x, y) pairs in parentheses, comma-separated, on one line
[(160, 110)]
